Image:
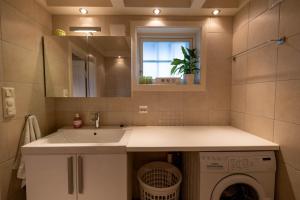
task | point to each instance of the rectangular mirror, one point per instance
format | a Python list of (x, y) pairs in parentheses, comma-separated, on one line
[(87, 66)]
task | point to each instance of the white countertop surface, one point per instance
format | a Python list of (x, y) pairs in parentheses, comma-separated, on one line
[(195, 138), (163, 138)]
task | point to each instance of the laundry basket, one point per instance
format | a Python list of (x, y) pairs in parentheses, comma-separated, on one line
[(159, 181)]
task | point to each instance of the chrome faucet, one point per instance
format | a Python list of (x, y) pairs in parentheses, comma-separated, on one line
[(97, 119)]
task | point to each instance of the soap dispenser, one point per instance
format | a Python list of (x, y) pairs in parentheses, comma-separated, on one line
[(77, 121)]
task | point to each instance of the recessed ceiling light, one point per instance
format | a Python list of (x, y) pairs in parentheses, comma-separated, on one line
[(156, 11), (216, 12), (83, 11)]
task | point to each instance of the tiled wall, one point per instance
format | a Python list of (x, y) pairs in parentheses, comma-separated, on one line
[(23, 23), (211, 107), (266, 83)]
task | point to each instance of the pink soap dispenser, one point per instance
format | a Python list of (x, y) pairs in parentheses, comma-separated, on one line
[(77, 121)]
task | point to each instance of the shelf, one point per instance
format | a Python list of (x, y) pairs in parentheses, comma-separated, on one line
[(168, 87)]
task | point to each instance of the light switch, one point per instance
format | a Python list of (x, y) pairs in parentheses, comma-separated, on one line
[(8, 102)]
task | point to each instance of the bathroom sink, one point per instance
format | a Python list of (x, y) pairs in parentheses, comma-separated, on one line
[(84, 140), (86, 136)]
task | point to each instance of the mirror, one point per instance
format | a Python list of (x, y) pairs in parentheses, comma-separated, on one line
[(87, 66)]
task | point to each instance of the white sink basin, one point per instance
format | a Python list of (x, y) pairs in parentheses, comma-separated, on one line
[(86, 136), (85, 140), (70, 136), (90, 136)]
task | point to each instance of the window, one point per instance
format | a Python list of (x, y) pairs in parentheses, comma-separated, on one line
[(156, 55)]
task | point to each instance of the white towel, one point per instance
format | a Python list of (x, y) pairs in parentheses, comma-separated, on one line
[(31, 132)]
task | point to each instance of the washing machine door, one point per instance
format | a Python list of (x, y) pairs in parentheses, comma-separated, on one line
[(238, 187)]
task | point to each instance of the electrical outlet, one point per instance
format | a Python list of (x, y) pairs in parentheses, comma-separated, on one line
[(143, 109)]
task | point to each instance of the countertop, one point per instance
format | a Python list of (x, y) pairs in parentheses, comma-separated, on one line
[(162, 138), (195, 138)]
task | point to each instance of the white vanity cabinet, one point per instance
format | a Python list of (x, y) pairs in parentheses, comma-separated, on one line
[(76, 177)]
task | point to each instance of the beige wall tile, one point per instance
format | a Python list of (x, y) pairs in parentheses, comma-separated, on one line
[(219, 117), (195, 101), (288, 181), (170, 118), (240, 39), (117, 118), (13, 129), (220, 97), (5, 177), (119, 104), (260, 99), (1, 64), (23, 61), (13, 24), (264, 27), (26, 7), (288, 137), (149, 99), (257, 7), (219, 49), (239, 70), (41, 16), (237, 120), (170, 102), (1, 107), (241, 18), (260, 126), (22, 67), (238, 98), (289, 59), (64, 118), (262, 64), (219, 25), (191, 118), (149, 119), (287, 101), (69, 104), (289, 17), (4, 154), (93, 104)]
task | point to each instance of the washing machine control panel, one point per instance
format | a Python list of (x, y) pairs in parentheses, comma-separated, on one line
[(237, 161)]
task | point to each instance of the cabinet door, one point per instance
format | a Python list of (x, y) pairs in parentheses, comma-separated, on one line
[(50, 177), (102, 177)]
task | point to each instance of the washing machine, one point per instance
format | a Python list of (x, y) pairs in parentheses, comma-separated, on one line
[(237, 175)]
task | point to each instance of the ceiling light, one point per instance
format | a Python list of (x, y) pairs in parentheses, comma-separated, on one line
[(83, 11), (216, 12), (156, 11), (85, 29)]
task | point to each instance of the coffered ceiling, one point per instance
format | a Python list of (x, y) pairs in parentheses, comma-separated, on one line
[(142, 7)]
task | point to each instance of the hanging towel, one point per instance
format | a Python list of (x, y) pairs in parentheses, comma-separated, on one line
[(30, 133)]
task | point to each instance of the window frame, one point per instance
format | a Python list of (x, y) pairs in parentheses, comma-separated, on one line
[(155, 25), (161, 37)]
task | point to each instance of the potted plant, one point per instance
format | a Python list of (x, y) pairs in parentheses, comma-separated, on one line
[(188, 66)]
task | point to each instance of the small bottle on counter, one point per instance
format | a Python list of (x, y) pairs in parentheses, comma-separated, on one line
[(77, 121)]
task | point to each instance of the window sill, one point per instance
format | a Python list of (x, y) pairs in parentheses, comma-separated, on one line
[(169, 87)]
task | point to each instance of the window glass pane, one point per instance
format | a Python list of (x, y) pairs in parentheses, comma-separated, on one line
[(158, 55)]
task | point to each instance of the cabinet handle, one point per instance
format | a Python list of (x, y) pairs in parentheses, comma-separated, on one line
[(70, 176), (80, 175)]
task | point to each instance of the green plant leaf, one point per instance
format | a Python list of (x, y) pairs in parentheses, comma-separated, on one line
[(185, 54)]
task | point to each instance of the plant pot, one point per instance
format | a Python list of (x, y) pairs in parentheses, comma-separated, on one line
[(189, 79)]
